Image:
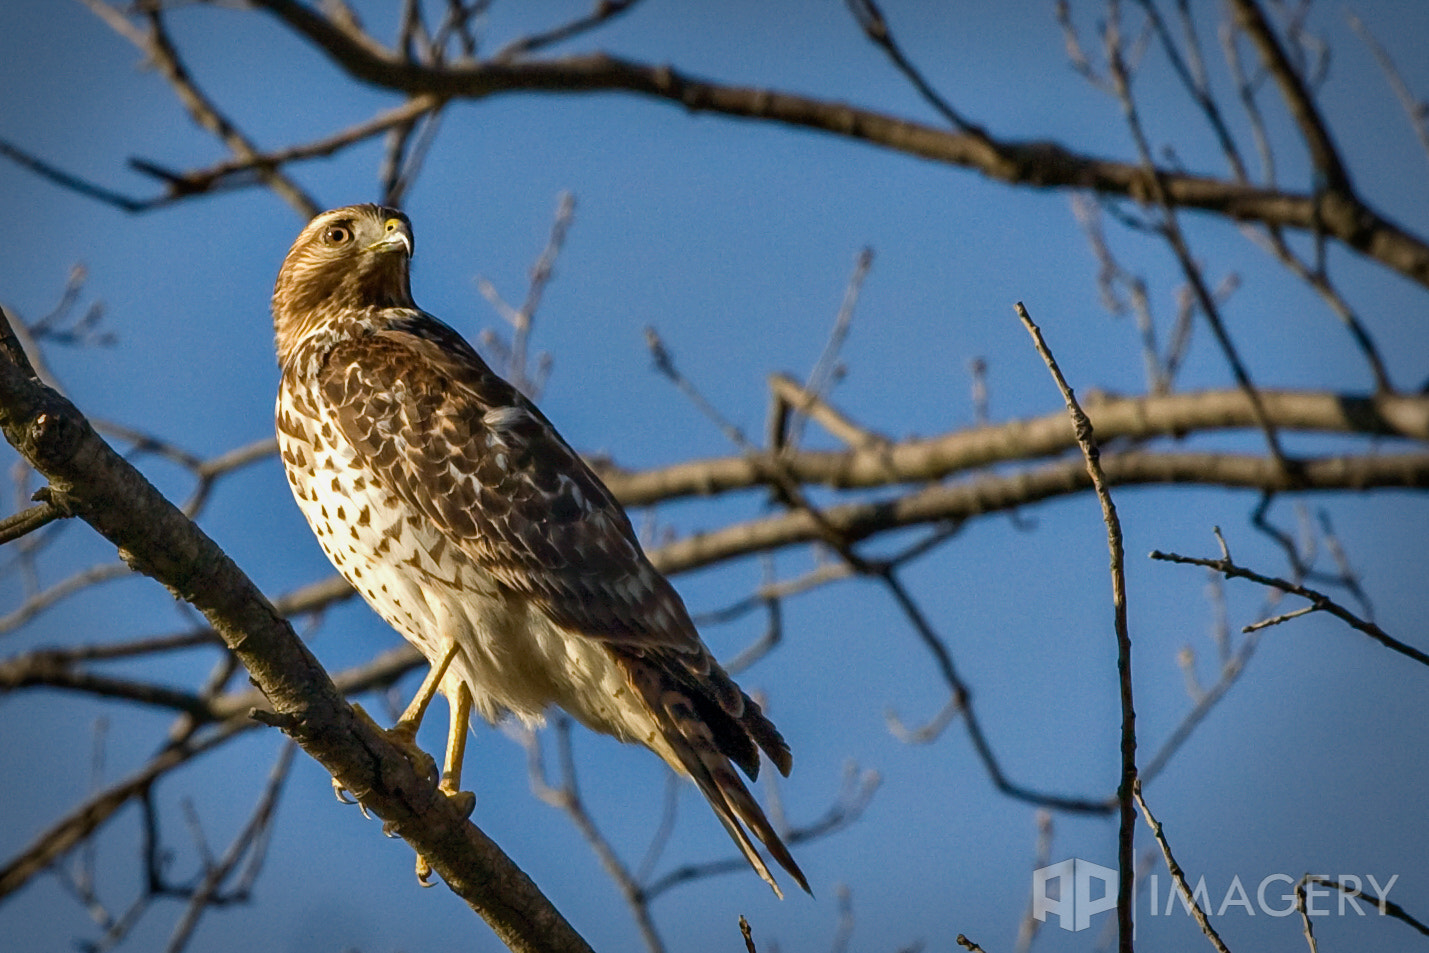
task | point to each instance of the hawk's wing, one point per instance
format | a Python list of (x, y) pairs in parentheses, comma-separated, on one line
[(477, 459)]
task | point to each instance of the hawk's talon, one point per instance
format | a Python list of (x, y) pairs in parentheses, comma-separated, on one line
[(341, 793), (424, 872)]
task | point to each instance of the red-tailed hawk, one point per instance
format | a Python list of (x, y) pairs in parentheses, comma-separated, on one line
[(461, 515)]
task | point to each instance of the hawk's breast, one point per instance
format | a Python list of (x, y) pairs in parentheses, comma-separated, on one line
[(513, 658)]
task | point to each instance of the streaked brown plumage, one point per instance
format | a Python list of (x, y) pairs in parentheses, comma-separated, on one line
[(451, 503)]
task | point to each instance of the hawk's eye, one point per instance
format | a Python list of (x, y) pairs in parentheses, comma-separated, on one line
[(337, 235)]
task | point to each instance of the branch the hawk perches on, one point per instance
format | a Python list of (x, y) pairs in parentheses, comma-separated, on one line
[(466, 521)]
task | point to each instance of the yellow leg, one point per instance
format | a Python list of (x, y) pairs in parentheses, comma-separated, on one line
[(404, 733), (411, 719), (450, 784), (457, 732)]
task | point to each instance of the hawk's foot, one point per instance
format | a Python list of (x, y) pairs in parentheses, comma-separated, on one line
[(402, 736)]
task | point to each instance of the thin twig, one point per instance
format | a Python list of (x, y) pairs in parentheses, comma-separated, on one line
[(825, 371), (1414, 108), (161, 51), (40, 601), (790, 397), (250, 841), (871, 20), (605, 10), (1177, 874), (1170, 230), (853, 799), (1231, 670), (565, 795), (1087, 440), (69, 180), (1386, 906), (1319, 602), (1296, 95), (29, 520)]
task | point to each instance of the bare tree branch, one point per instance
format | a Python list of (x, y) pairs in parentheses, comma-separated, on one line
[(1337, 213), (1319, 602), (942, 503), (1330, 168), (1414, 108), (1126, 789), (1177, 875), (1115, 418)]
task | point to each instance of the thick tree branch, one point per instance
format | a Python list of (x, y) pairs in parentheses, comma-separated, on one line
[(1115, 418), (969, 498), (1338, 214), (87, 478)]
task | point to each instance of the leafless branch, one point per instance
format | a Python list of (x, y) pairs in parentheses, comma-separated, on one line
[(159, 49), (1029, 925), (68, 180), (1414, 108), (1115, 418), (1319, 602), (565, 796), (843, 899), (1339, 215), (790, 398), (513, 355), (27, 521), (871, 20), (604, 11), (794, 404), (1129, 782), (1386, 906), (1170, 230), (1298, 100), (40, 601), (250, 842), (1177, 874), (951, 502), (1231, 670)]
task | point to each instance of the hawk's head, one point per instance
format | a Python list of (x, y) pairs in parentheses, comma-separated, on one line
[(344, 264)]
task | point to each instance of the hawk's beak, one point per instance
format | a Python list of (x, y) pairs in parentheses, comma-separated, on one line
[(397, 236)]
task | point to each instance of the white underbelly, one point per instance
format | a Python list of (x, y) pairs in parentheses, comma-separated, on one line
[(512, 658)]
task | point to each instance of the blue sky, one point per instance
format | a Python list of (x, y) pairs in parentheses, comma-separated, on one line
[(736, 240)]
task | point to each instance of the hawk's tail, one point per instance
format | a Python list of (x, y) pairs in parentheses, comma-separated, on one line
[(692, 728)]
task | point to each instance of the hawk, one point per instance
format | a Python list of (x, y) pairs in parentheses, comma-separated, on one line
[(454, 507)]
